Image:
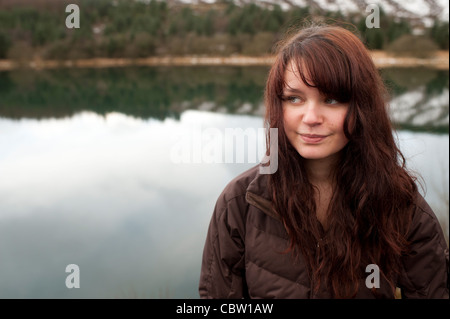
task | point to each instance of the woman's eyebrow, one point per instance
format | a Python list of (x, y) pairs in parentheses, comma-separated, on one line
[(292, 90)]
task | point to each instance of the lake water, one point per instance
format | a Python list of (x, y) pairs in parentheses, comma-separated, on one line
[(95, 171)]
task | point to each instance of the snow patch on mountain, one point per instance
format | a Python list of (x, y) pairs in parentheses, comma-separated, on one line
[(425, 11)]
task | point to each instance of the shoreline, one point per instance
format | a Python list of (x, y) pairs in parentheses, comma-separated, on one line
[(440, 60)]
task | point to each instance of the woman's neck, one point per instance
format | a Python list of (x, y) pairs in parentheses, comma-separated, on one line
[(320, 171), (320, 174)]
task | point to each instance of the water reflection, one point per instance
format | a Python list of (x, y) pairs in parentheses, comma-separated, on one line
[(102, 193), (419, 96), (87, 176), (139, 92)]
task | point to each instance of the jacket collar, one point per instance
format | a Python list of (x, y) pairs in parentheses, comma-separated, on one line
[(258, 194)]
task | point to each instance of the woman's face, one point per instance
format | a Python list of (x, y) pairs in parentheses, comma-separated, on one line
[(313, 122)]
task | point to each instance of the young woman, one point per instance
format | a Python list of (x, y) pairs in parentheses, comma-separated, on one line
[(341, 217)]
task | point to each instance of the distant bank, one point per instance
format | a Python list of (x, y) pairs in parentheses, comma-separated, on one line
[(440, 60)]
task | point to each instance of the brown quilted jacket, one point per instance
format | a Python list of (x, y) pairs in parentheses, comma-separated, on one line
[(243, 254)]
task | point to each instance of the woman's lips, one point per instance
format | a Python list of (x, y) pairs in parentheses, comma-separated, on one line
[(312, 138)]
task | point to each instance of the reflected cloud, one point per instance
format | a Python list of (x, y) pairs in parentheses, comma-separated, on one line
[(101, 192)]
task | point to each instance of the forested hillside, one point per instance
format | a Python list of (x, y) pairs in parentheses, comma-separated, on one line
[(133, 29)]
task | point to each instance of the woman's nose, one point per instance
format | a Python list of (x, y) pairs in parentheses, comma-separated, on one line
[(312, 114)]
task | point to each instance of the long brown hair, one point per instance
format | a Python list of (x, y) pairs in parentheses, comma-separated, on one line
[(371, 207)]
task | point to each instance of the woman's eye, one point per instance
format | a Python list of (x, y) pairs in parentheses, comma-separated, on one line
[(331, 101), (294, 99)]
